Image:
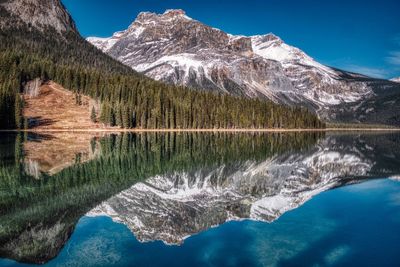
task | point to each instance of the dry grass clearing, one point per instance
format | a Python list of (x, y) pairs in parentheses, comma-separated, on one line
[(55, 108)]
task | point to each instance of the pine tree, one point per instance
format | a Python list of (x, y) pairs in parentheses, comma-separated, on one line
[(93, 115), (18, 109)]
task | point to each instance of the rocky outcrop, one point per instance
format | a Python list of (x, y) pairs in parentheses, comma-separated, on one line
[(38, 244), (32, 88), (41, 14)]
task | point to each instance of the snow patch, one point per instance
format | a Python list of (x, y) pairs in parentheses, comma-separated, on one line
[(397, 80), (104, 44)]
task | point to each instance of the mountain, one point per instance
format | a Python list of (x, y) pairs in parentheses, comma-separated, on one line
[(177, 49), (39, 42)]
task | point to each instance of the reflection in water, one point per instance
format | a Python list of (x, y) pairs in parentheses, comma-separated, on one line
[(175, 206), (170, 186), (50, 154)]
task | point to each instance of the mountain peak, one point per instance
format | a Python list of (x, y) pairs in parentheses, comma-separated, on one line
[(145, 15), (168, 15), (174, 12), (174, 49), (271, 37), (268, 38)]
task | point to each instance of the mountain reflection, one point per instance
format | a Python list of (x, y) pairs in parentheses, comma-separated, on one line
[(174, 206), (167, 186)]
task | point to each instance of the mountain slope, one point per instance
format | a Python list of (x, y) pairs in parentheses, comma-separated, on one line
[(128, 99), (177, 49)]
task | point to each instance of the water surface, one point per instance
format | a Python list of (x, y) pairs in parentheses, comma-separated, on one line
[(223, 199)]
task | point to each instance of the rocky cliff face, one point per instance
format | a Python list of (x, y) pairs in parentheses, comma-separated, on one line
[(175, 206), (39, 243), (177, 49), (41, 14)]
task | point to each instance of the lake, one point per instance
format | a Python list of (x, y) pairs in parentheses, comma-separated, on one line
[(200, 199)]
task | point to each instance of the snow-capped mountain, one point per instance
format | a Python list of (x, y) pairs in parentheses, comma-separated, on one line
[(41, 14), (175, 206), (177, 49), (397, 80)]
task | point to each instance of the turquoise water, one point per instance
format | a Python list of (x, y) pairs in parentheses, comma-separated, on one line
[(356, 225)]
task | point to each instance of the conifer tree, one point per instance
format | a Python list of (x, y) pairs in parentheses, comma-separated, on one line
[(93, 115), (18, 111)]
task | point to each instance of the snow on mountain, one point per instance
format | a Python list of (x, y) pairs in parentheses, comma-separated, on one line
[(397, 80), (103, 43), (272, 47)]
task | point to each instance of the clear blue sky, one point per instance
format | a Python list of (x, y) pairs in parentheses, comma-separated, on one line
[(356, 35)]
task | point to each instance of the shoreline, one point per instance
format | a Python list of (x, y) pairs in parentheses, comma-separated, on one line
[(113, 130)]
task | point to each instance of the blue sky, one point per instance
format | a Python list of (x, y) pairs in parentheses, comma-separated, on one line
[(360, 36)]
